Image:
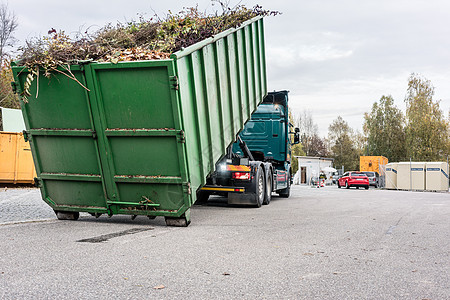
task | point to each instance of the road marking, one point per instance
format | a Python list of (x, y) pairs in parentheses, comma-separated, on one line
[(391, 229)]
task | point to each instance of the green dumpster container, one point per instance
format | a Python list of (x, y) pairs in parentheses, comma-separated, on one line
[(142, 136)]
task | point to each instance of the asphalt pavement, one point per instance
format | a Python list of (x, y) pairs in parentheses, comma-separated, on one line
[(325, 243)]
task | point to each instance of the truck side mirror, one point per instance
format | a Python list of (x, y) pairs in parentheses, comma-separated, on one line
[(296, 137)]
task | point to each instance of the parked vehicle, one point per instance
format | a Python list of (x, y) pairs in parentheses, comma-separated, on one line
[(335, 177), (374, 178), (259, 163), (356, 179), (148, 132)]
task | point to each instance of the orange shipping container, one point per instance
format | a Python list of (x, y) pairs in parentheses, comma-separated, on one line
[(16, 162), (372, 163)]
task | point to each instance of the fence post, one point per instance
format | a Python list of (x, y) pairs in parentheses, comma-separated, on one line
[(410, 174)]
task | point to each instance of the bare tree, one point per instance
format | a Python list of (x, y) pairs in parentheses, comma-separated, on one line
[(8, 24), (313, 145)]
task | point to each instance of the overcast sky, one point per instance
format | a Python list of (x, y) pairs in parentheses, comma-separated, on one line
[(336, 57)]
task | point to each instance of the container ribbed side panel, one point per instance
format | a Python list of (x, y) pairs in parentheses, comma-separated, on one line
[(221, 83)]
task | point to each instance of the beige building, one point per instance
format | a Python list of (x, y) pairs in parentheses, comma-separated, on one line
[(309, 167)]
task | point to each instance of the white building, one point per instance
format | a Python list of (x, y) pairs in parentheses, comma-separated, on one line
[(310, 167)]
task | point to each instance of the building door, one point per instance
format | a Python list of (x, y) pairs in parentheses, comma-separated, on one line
[(303, 175)]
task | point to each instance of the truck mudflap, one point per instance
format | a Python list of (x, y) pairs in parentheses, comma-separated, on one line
[(242, 199)]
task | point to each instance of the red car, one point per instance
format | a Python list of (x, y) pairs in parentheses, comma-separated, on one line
[(357, 179)]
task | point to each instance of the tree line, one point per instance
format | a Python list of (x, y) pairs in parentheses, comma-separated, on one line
[(422, 133)]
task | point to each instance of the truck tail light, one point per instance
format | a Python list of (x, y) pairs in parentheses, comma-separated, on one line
[(241, 175)]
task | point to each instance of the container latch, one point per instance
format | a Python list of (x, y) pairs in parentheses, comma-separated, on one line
[(182, 137), (37, 182), (175, 84)]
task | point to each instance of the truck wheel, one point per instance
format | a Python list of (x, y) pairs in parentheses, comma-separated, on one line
[(67, 215), (268, 194), (285, 193), (260, 187)]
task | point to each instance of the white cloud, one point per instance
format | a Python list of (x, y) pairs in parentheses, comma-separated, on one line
[(312, 53)]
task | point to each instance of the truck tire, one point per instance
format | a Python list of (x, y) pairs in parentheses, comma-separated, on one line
[(260, 187), (268, 194), (285, 193)]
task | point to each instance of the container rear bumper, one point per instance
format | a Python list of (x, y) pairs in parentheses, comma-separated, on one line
[(238, 192), (237, 195), (228, 189)]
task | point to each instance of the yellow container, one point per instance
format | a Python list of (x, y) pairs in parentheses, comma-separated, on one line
[(16, 162), (372, 164)]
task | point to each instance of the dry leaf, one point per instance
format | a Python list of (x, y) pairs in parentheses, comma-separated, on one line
[(159, 287)]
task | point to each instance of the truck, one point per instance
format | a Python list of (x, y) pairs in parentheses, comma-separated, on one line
[(141, 137), (259, 162)]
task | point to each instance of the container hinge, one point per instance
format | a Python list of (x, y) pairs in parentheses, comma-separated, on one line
[(181, 138), (94, 135), (37, 182), (187, 188), (26, 137), (175, 84), (14, 87)]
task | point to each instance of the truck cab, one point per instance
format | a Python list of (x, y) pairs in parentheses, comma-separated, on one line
[(259, 162)]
